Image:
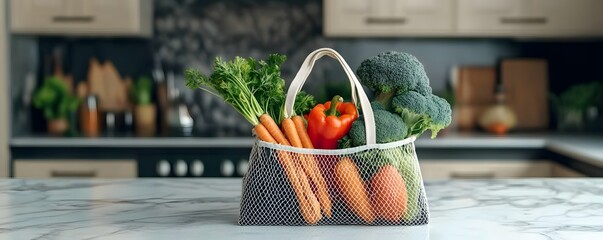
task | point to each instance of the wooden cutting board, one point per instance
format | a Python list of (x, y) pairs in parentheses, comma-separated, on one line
[(116, 98), (473, 92), (526, 82), (105, 82), (475, 85), (95, 79)]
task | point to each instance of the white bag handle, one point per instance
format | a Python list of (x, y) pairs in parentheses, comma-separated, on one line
[(362, 101)]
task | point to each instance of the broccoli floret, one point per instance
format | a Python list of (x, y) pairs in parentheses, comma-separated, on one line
[(422, 113), (440, 112), (392, 72), (401, 85), (413, 108), (390, 128)]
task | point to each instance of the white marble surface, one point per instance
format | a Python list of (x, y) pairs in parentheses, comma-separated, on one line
[(207, 209)]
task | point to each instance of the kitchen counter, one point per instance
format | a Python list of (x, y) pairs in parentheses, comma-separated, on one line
[(585, 148), (444, 141), (208, 208)]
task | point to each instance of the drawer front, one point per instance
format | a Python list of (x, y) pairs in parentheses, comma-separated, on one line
[(114, 15), (564, 172), (355, 18), (81, 17), (483, 169), (526, 18), (388, 18), (77, 168)]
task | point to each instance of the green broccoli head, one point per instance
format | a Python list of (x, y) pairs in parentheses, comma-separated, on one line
[(422, 112), (390, 128), (391, 72), (413, 108), (401, 86), (440, 113)]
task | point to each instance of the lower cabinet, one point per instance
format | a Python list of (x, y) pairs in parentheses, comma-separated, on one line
[(490, 169), (75, 168)]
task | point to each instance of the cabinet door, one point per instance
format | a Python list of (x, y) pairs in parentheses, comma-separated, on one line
[(355, 18), (388, 17), (82, 17), (424, 17), (564, 172), (518, 18), (113, 15), (483, 169), (32, 15), (75, 168)]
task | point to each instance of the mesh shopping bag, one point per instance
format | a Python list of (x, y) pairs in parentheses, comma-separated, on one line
[(375, 184)]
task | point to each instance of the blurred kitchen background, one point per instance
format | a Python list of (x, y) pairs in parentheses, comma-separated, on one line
[(523, 76)]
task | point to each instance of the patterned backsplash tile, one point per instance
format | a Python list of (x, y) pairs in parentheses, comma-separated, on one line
[(193, 33)]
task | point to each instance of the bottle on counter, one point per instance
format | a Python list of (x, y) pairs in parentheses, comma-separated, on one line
[(90, 116)]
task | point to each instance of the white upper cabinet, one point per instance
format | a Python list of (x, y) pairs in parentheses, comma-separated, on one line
[(82, 17), (388, 17), (529, 18)]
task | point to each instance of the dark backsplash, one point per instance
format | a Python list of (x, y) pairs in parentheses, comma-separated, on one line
[(192, 33)]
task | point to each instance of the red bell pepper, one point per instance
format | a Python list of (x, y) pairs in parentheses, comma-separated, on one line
[(329, 122)]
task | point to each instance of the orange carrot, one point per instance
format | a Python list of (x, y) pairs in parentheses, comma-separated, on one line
[(262, 133), (310, 210), (309, 205), (353, 189), (273, 129), (291, 133), (312, 204), (311, 169), (388, 193), (308, 164), (302, 132)]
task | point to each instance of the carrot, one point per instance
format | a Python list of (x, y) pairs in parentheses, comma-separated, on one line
[(309, 205), (262, 133), (310, 210), (308, 164), (302, 132), (388, 194), (291, 133), (273, 129), (353, 189), (312, 205)]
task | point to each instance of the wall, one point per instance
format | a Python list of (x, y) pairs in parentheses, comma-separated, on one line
[(191, 33), (4, 89)]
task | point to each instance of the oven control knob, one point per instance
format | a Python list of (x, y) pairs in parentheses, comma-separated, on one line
[(242, 167), (197, 168), (163, 168), (227, 168), (181, 168)]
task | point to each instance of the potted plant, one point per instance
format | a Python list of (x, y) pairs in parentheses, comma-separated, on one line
[(55, 101), (572, 105), (145, 112)]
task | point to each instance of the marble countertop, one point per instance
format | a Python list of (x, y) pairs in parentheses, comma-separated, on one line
[(207, 209)]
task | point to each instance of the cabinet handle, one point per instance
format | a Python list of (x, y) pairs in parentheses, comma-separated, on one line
[(73, 19), (523, 20), (472, 175), (382, 20), (76, 174)]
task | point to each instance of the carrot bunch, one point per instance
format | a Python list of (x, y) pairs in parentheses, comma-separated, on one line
[(256, 90), (300, 169)]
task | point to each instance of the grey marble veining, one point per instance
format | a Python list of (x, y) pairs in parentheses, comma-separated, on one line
[(208, 209)]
